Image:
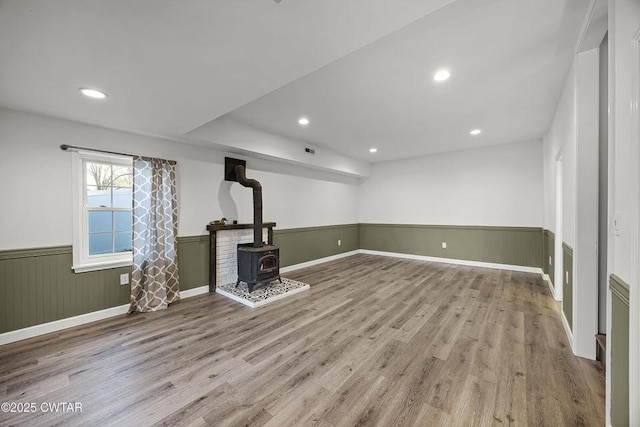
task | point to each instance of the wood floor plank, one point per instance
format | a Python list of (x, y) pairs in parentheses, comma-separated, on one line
[(301, 409), (474, 406), (376, 341), (511, 386), (193, 412), (486, 361)]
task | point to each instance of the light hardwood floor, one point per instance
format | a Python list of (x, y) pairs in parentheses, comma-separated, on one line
[(376, 341)]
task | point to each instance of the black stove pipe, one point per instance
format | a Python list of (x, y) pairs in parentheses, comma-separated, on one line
[(257, 203)]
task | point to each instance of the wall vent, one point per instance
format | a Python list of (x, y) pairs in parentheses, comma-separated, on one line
[(309, 150)]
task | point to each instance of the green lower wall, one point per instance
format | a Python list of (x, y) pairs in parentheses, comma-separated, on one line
[(548, 254), (38, 286), (298, 245), (567, 288), (619, 342), (504, 245), (193, 259)]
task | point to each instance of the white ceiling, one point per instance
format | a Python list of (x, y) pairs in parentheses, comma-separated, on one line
[(170, 66), (508, 61), (361, 70)]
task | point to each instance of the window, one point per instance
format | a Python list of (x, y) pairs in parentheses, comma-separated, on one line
[(103, 211)]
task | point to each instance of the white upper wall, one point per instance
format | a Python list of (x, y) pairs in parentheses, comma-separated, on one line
[(495, 186), (37, 186), (625, 155)]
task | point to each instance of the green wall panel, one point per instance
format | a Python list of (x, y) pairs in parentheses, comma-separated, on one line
[(38, 286), (504, 245), (619, 343), (299, 245), (549, 250), (567, 288), (193, 259)]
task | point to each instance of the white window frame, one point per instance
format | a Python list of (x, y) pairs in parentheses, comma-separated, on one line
[(82, 261)]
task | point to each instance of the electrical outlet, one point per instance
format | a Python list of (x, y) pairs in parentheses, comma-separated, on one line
[(124, 279), (566, 277), (550, 261), (339, 242), (444, 245)]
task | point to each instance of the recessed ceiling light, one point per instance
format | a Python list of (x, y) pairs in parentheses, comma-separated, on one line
[(93, 93), (475, 132), (373, 150), (441, 75), (303, 121)]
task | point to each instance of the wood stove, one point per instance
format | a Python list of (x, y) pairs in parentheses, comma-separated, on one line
[(257, 263)]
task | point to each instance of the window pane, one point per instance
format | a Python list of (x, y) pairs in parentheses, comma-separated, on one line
[(123, 242), (122, 176), (122, 198), (100, 243), (100, 221), (122, 221), (98, 198), (98, 174)]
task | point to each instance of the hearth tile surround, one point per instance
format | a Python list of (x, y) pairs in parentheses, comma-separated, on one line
[(275, 291), (226, 253)]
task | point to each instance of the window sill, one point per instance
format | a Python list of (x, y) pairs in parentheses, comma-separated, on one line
[(102, 265)]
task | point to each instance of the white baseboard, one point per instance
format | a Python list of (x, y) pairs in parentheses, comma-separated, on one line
[(547, 279), (58, 325), (567, 329), (70, 322), (510, 267), (318, 261), (195, 291)]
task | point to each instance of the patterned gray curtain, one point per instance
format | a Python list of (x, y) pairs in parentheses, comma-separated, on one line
[(154, 282)]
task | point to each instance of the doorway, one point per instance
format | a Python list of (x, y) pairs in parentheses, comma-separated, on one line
[(603, 193), (558, 254)]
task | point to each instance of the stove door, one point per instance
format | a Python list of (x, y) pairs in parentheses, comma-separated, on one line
[(268, 264)]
